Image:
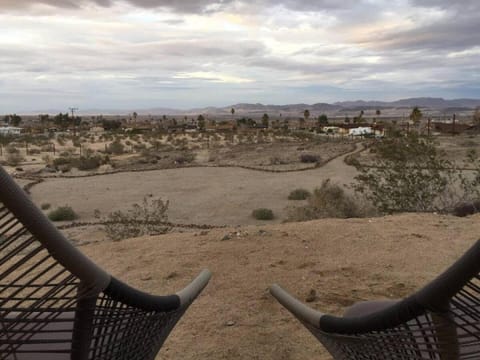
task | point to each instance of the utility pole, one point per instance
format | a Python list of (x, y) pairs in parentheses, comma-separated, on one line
[(453, 124), (73, 109)]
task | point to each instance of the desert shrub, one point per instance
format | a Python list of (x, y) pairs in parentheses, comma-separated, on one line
[(262, 214), (410, 175), (329, 201), (46, 206), (139, 147), (47, 148), (184, 158), (116, 148), (11, 149), (34, 151), (82, 163), (14, 158), (275, 160), (62, 161), (149, 217), (299, 194), (88, 163), (309, 158), (62, 213), (467, 208)]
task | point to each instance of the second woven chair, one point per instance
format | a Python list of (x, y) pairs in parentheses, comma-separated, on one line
[(440, 321)]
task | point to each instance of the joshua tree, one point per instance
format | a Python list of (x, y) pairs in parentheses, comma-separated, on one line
[(201, 122), (233, 112), (322, 120), (265, 120), (306, 114), (416, 115)]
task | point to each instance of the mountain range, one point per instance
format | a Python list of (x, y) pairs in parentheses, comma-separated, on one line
[(434, 105)]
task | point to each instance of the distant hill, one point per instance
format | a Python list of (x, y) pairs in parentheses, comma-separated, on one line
[(424, 102)]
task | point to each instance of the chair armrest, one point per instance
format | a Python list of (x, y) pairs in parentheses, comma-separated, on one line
[(303, 312), (191, 291), (130, 296)]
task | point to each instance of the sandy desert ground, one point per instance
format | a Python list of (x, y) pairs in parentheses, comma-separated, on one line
[(342, 260), (215, 196)]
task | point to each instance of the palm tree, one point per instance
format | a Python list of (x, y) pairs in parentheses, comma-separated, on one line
[(233, 112)]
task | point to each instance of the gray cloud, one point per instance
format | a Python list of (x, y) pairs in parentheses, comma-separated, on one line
[(283, 49), (190, 6), (20, 4)]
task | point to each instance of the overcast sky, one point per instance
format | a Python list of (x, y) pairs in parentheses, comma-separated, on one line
[(137, 54)]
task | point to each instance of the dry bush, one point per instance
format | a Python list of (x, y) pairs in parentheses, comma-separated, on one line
[(299, 194), (63, 213), (263, 214), (411, 175), (14, 159), (330, 201), (149, 217), (309, 158)]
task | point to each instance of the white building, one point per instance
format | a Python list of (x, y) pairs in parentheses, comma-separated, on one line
[(9, 130), (361, 131)]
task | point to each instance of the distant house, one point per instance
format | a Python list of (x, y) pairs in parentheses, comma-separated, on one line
[(9, 130), (361, 131), (331, 129)]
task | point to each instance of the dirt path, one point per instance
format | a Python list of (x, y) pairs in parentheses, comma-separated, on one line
[(215, 196)]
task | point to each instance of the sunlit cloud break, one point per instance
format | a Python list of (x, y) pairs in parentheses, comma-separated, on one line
[(210, 76)]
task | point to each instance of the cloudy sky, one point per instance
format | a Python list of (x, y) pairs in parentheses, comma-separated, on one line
[(135, 54)]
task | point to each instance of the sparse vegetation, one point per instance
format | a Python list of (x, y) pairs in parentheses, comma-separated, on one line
[(116, 148), (329, 201), (309, 158), (62, 213), (14, 158), (299, 194), (45, 206), (149, 217), (263, 214), (411, 175), (467, 208)]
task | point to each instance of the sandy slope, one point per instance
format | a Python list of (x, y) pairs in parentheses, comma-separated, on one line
[(343, 260)]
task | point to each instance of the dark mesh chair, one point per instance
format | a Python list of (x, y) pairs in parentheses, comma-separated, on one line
[(57, 304), (440, 321)]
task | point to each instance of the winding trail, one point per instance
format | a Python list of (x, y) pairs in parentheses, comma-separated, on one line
[(203, 195)]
